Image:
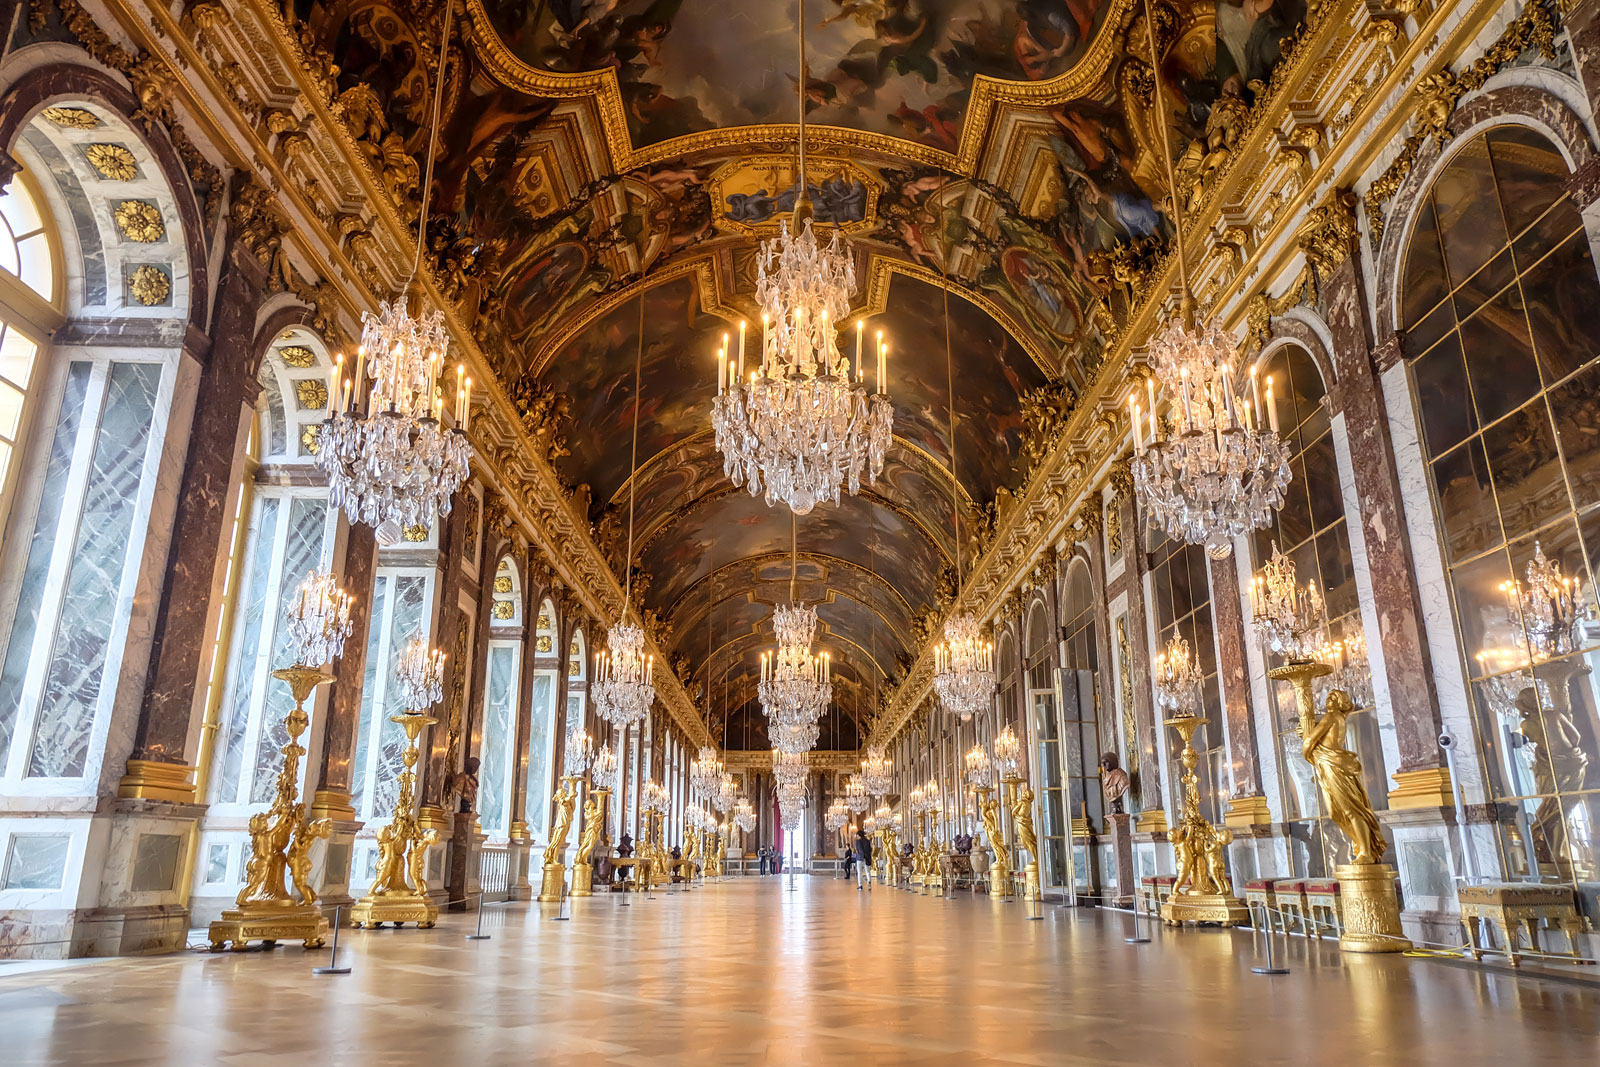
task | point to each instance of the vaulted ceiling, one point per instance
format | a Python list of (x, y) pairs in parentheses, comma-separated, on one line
[(607, 165)]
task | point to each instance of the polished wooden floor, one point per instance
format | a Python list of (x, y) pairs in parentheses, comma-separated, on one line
[(753, 971)]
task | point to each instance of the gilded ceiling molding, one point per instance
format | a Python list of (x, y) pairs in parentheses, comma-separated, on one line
[(988, 96), (818, 759)]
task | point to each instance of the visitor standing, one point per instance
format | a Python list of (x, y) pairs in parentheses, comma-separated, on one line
[(863, 851)]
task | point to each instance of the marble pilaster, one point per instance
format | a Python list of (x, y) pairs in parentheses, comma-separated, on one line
[(179, 653)]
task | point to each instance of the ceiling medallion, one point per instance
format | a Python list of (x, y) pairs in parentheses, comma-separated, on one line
[(150, 285), (112, 162), (70, 118), (1215, 471), (391, 463), (799, 427)]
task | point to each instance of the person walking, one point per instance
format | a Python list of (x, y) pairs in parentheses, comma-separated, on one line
[(849, 862), (863, 853)]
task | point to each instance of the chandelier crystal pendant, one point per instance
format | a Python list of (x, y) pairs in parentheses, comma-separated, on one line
[(796, 686), (980, 772), (744, 816), (603, 771), (855, 795), (624, 684), (419, 676), (318, 620), (964, 667), (705, 772), (390, 461), (727, 792), (836, 817), (801, 427)]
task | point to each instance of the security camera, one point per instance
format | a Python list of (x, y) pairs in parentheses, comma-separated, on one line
[(1447, 740)]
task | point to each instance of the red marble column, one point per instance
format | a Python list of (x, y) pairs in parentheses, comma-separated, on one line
[(1147, 775), (180, 649), (1359, 397)]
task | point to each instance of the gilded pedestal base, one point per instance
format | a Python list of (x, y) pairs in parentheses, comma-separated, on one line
[(1030, 875), (583, 880), (269, 922), (1224, 909), (1371, 909), (553, 888), (397, 908)]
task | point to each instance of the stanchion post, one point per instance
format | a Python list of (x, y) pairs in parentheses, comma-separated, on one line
[(1137, 938), (333, 957), (1272, 966), (478, 934), (558, 917)]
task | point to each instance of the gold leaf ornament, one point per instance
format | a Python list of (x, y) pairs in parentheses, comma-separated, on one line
[(70, 118), (311, 393), (112, 162), (150, 285), (139, 221)]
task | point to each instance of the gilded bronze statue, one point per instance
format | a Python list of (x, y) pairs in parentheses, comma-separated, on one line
[(1338, 772)]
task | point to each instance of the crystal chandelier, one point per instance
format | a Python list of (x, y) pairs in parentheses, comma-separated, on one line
[(789, 768), (964, 667), (796, 737), (653, 797), (705, 772), (603, 771), (1352, 672), (420, 673), (1547, 613), (727, 792), (389, 459), (855, 795), (624, 684), (979, 771), (579, 752), (798, 426), (744, 816), (796, 686), (1007, 754), (1177, 681), (877, 773), (319, 620), (1217, 471), (1288, 617), (837, 816)]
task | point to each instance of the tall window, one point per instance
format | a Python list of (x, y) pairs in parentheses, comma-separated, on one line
[(541, 712), (1501, 329), (1080, 710), (1181, 590), (1310, 529), (1053, 827), (400, 600), (498, 747)]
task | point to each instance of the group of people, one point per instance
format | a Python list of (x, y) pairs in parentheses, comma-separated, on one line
[(771, 860)]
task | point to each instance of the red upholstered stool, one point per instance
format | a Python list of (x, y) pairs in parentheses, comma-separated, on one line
[(1322, 905), (1289, 897)]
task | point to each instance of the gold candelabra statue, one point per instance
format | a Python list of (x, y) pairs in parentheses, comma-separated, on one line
[(1202, 892), (318, 621), (1368, 902), (1000, 869), (553, 884), (594, 824), (399, 893), (1027, 837)]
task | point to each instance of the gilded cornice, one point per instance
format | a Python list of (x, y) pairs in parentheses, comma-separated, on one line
[(817, 759), (989, 95)]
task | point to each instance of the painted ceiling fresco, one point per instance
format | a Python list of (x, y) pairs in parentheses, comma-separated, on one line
[(903, 68), (567, 201)]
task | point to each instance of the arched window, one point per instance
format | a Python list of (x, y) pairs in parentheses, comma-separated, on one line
[(1180, 588), (1080, 712), (1310, 529), (78, 490), (1045, 726), (498, 746), (1499, 304), (541, 711)]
